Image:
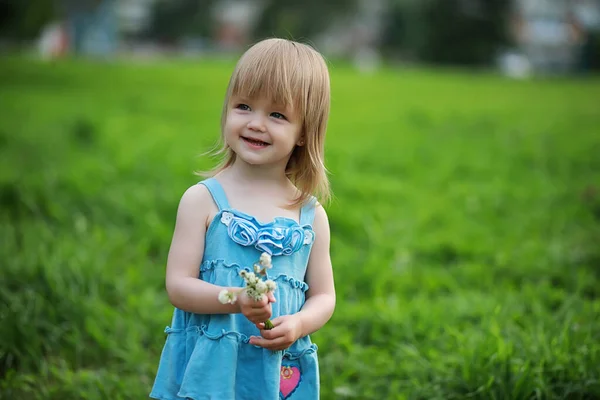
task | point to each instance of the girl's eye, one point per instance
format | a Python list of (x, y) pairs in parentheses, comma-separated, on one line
[(278, 115), (243, 107)]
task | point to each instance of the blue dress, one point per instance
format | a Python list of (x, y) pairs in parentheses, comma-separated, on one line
[(209, 356)]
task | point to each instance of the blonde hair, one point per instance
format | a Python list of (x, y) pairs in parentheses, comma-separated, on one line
[(292, 74)]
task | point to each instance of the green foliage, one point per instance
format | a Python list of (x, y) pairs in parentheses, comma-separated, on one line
[(24, 19), (300, 20), (464, 230), (455, 32), (173, 20)]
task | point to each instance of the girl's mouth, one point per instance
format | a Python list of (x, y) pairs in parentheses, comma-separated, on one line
[(255, 142)]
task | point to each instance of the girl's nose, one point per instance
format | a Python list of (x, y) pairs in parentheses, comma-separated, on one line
[(257, 123)]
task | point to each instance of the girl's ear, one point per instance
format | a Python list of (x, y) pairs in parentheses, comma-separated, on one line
[(300, 141)]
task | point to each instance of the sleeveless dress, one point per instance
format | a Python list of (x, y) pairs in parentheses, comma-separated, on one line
[(209, 356)]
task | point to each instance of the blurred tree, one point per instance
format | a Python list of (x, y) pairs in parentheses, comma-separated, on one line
[(299, 20), (175, 19), (466, 32), (22, 20)]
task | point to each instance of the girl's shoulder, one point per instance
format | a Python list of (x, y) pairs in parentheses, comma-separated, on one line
[(196, 195), (196, 204), (320, 218)]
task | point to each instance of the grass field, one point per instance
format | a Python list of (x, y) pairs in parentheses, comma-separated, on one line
[(465, 229)]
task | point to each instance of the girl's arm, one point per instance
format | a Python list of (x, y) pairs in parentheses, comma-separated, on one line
[(184, 289), (320, 303)]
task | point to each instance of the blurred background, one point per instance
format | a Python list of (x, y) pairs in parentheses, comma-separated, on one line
[(519, 37), (464, 154)]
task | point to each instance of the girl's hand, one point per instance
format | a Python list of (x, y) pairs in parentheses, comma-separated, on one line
[(256, 311), (287, 329)]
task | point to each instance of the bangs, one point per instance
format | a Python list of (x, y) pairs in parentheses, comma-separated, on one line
[(275, 72)]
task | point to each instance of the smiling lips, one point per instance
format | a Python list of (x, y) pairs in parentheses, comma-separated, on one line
[(255, 142)]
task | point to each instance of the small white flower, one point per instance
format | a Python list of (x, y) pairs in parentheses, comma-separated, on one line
[(250, 278), (271, 285), (226, 218), (227, 297), (256, 268), (254, 294), (265, 260), (223, 296), (308, 237), (261, 287), (243, 273)]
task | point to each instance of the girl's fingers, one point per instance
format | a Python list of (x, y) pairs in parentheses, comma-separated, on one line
[(275, 344), (260, 303), (271, 334), (259, 317), (262, 311)]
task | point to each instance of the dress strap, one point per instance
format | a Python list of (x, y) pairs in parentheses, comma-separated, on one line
[(217, 192), (307, 212)]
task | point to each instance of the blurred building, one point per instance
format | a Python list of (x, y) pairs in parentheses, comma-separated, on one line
[(550, 34), (357, 36), (235, 21), (90, 26), (133, 16)]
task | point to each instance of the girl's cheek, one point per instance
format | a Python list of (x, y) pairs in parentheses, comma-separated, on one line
[(236, 119)]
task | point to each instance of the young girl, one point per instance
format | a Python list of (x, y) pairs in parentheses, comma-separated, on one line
[(260, 199)]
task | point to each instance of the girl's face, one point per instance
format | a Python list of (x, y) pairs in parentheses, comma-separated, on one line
[(260, 132)]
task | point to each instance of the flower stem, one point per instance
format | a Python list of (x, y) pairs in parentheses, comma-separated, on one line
[(269, 325)]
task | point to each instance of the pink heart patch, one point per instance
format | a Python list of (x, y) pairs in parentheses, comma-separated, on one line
[(288, 380)]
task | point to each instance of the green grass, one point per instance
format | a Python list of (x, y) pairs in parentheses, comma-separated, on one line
[(465, 229)]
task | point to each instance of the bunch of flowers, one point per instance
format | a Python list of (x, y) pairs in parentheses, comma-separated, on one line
[(257, 284)]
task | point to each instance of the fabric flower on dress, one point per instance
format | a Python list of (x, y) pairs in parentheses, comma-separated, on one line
[(226, 218), (309, 236), (242, 231), (284, 238)]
